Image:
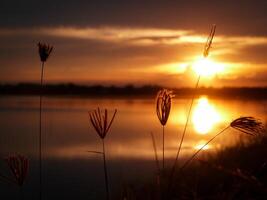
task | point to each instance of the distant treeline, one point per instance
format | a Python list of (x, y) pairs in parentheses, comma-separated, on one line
[(128, 90)]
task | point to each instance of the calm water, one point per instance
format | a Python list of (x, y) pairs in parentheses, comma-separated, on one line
[(71, 172)]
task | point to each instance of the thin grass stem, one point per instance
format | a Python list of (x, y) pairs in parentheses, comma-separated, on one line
[(21, 193), (155, 152), (199, 150), (6, 179), (96, 152), (156, 162), (40, 131), (105, 171), (183, 135), (163, 148)]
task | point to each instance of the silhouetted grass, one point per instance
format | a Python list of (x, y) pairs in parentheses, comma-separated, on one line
[(236, 172), (19, 168), (44, 52), (101, 123), (206, 52), (163, 109)]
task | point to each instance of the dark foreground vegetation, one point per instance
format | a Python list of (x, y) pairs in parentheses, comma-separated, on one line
[(238, 172), (128, 90)]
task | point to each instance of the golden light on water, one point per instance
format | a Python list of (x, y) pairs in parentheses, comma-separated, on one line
[(205, 116), (206, 67), (200, 144)]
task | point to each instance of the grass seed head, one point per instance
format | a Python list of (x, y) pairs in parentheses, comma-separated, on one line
[(208, 44), (248, 125), (163, 105), (100, 122), (44, 51), (19, 167)]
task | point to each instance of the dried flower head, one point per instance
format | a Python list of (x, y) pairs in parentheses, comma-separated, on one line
[(163, 105), (99, 120), (209, 41), (44, 51), (248, 125), (19, 166)]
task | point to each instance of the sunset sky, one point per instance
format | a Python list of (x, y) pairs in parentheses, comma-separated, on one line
[(134, 41)]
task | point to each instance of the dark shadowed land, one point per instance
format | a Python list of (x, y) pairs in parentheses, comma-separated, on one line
[(129, 90), (237, 172)]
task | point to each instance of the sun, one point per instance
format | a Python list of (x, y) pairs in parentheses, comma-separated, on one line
[(206, 67)]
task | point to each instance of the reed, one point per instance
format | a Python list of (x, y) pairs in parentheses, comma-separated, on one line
[(206, 52), (163, 108), (159, 182), (44, 52), (19, 168), (155, 152), (247, 125), (101, 124)]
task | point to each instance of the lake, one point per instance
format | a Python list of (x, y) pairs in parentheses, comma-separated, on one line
[(70, 172)]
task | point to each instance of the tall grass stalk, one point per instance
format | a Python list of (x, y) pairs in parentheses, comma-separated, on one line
[(40, 129), (200, 149), (163, 108), (183, 135), (100, 122), (163, 148), (155, 152), (247, 125), (159, 182), (6, 179), (19, 168), (21, 193), (205, 55), (44, 52), (105, 169)]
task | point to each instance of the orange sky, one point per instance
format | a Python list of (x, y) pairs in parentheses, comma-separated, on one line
[(111, 52)]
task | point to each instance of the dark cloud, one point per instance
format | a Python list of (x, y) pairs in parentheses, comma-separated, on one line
[(252, 80), (104, 52), (254, 54), (233, 17)]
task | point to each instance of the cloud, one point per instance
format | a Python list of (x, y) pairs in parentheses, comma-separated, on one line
[(107, 34), (123, 54), (256, 79), (148, 36), (253, 54), (244, 17)]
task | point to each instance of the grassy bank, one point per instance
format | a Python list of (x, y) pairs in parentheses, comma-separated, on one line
[(238, 172)]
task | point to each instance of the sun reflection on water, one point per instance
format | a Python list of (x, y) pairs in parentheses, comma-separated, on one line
[(130, 136), (200, 144), (205, 116)]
